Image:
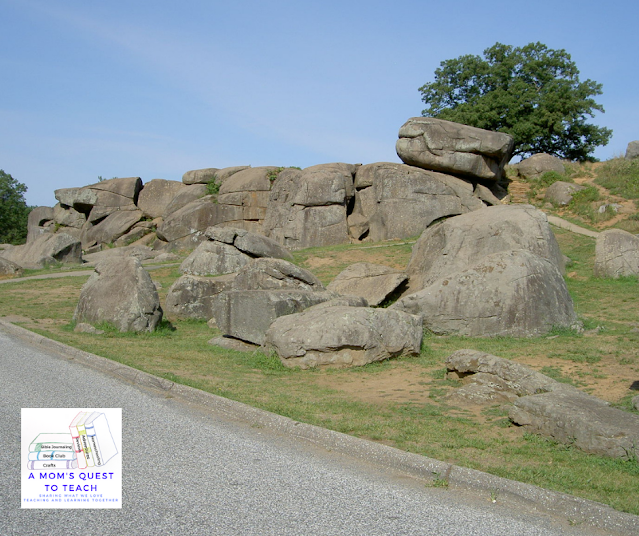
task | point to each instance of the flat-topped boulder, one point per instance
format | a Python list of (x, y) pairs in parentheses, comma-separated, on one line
[(343, 336), (247, 314), (156, 195), (199, 176), (454, 148), (275, 274)]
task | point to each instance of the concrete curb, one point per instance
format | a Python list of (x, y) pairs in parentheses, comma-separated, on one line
[(576, 510)]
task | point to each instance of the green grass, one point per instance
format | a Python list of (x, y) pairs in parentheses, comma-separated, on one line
[(424, 422), (620, 176)]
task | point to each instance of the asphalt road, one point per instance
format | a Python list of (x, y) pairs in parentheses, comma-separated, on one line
[(189, 470)]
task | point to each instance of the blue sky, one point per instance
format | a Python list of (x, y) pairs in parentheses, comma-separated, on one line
[(154, 89)]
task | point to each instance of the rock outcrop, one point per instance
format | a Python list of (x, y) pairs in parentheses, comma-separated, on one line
[(632, 151), (343, 336), (120, 292), (454, 148)]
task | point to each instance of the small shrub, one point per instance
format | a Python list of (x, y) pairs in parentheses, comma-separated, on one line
[(213, 187)]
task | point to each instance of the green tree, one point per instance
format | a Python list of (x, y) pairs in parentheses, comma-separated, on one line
[(14, 211), (532, 93)]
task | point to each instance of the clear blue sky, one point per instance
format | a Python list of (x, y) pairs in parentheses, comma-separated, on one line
[(154, 89)]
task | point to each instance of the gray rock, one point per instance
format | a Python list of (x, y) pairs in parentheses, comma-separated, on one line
[(157, 195), (509, 293), (9, 268), (538, 164), (616, 254), (111, 228), (247, 314), (459, 242), (120, 292), (308, 208), (199, 176), (184, 196), (195, 217), (260, 246), (46, 249), (82, 199), (68, 217), (580, 420), (399, 201), (560, 192), (519, 379), (275, 274), (222, 174), (486, 195), (635, 402), (632, 151), (134, 234), (141, 253), (341, 301), (372, 282), (450, 147), (214, 258), (37, 218), (343, 336), (192, 296)]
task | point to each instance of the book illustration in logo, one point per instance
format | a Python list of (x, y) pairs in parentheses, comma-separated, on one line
[(88, 443)]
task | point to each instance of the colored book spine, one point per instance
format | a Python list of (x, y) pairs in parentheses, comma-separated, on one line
[(77, 444), (100, 438), (84, 442), (63, 464), (56, 455)]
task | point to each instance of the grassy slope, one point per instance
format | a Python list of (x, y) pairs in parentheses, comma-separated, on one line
[(422, 421)]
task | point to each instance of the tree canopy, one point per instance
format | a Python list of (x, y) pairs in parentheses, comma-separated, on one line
[(14, 211), (532, 93)]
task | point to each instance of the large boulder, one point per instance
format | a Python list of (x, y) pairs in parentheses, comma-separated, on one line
[(616, 254), (400, 201), (509, 293), (37, 218), (68, 217), (247, 314), (156, 195), (372, 282), (632, 151), (250, 243), (45, 250), (538, 164), (560, 193), (454, 148), (191, 296), (275, 274), (309, 207), (9, 268), (343, 336), (457, 243), (120, 292)]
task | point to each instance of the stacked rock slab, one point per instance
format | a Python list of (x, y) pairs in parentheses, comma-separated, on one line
[(454, 148), (120, 292), (616, 254), (373, 282), (497, 272), (544, 406), (343, 336), (309, 207)]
